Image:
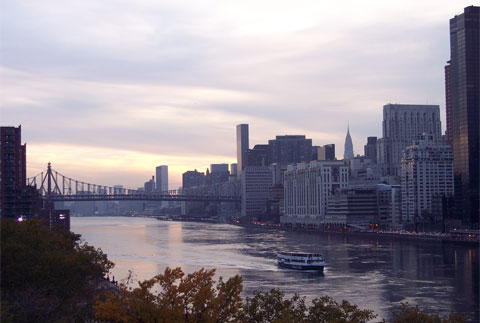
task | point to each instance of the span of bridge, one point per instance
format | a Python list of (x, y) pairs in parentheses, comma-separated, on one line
[(54, 186)]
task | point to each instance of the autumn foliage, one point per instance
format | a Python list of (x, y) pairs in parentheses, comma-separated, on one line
[(180, 298), (176, 297)]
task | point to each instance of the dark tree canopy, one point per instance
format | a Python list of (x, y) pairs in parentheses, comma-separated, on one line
[(46, 275)]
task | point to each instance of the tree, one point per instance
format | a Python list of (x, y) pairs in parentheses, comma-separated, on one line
[(193, 298), (177, 298), (409, 314), (326, 309), (273, 307), (47, 275)]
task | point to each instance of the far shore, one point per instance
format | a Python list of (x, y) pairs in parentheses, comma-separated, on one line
[(359, 233)]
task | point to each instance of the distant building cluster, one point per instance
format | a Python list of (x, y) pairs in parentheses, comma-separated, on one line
[(413, 177)]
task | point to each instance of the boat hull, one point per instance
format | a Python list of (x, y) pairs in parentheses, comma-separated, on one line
[(301, 267)]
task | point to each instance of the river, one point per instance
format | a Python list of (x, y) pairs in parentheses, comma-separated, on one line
[(374, 273)]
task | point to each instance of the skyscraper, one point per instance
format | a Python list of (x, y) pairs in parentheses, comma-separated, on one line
[(16, 198), (326, 152), (193, 178), (242, 147), (348, 152), (370, 149), (448, 104), (402, 125), (256, 184), (13, 171), (290, 149), (463, 90), (162, 178)]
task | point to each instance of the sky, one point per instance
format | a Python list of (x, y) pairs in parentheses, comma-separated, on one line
[(108, 90)]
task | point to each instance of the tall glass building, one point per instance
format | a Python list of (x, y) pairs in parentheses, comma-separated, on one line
[(242, 147), (463, 95)]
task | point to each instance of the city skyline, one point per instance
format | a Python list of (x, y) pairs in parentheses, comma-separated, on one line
[(108, 98)]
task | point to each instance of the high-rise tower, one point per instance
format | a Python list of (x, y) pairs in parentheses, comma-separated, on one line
[(402, 124), (242, 147), (464, 105), (348, 152), (162, 178), (13, 171)]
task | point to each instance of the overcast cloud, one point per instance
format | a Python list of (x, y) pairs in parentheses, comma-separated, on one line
[(107, 90)]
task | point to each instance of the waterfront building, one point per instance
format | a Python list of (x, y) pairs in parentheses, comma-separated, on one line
[(463, 105), (16, 198), (403, 124), (13, 174), (193, 178), (307, 189), (290, 149), (389, 200), (326, 152), (193, 182), (426, 171), (218, 174), (354, 207), (348, 151), (256, 184), (150, 185), (365, 171), (242, 147), (443, 213), (162, 178), (370, 149)]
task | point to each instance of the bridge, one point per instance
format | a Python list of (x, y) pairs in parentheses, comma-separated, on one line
[(54, 186)]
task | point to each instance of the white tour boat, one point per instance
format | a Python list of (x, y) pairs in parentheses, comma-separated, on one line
[(303, 261)]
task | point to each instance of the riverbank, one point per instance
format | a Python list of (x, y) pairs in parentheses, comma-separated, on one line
[(370, 234), (459, 240)]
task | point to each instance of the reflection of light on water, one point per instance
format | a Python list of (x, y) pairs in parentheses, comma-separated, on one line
[(175, 233), (175, 244)]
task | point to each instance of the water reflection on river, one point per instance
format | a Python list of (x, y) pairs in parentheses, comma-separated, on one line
[(373, 273)]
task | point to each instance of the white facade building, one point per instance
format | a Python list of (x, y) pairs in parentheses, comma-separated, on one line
[(427, 171), (307, 188)]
